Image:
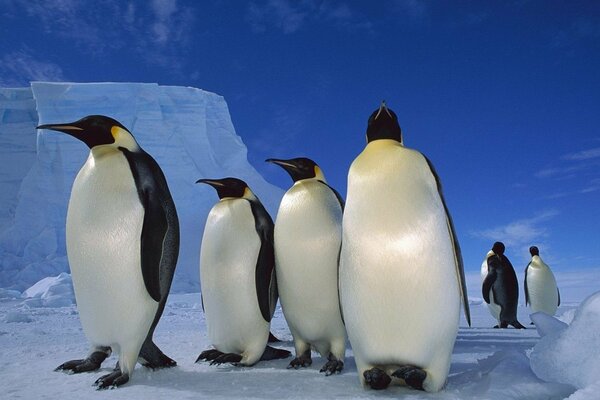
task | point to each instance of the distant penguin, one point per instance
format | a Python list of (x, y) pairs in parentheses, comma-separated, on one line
[(541, 292), (122, 245), (237, 276), (401, 270), (500, 287), (493, 308), (308, 236)]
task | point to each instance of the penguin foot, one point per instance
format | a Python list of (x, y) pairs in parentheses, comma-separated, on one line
[(112, 380), (273, 338), (92, 363), (496, 326), (231, 358), (413, 376), (332, 366), (301, 362), (532, 323), (152, 357), (377, 378), (517, 325), (272, 353), (209, 355)]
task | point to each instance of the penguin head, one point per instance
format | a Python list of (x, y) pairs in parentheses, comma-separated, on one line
[(97, 130), (498, 248), (383, 124), (300, 168), (534, 251), (229, 188)]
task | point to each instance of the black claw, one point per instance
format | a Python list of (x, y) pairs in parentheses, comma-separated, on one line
[(112, 380), (209, 355), (413, 376), (377, 378), (231, 358)]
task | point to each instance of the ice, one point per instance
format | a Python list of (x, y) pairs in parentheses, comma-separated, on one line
[(187, 130), (16, 316), (572, 355), (547, 324), (51, 292)]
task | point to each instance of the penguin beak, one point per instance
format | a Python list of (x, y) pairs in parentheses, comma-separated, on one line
[(285, 164), (68, 128), (383, 107), (212, 182)]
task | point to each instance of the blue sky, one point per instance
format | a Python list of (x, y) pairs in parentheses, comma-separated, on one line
[(502, 96)]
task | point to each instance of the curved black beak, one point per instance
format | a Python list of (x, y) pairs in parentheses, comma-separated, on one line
[(69, 128), (285, 164), (212, 182)]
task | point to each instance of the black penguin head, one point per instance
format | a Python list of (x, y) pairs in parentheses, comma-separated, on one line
[(228, 187), (534, 251), (300, 168), (97, 130), (383, 124), (498, 248)]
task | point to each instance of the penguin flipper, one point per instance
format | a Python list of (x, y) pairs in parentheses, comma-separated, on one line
[(338, 196), (558, 291), (458, 260), (525, 284), (266, 283), (488, 282), (154, 231)]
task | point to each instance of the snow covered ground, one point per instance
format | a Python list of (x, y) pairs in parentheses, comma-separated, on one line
[(487, 363)]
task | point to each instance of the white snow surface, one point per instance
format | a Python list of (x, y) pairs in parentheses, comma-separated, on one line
[(572, 354), (486, 363), (187, 130)]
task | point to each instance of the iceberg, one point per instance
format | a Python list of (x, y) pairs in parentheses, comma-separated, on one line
[(187, 130)]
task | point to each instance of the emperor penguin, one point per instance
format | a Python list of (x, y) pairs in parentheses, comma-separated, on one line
[(308, 237), (122, 246), (401, 270), (237, 276), (500, 287), (541, 292)]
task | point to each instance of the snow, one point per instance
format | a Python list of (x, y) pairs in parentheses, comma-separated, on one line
[(486, 363), (187, 130), (51, 292), (571, 354)]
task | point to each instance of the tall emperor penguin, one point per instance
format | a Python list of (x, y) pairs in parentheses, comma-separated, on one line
[(541, 292), (401, 270), (308, 236), (122, 245)]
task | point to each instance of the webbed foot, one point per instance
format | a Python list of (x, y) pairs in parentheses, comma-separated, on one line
[(112, 380), (224, 358), (209, 355), (377, 378), (413, 376), (272, 353), (303, 361), (91, 363), (332, 366)]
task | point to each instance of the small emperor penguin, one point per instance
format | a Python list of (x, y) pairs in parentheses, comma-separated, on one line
[(401, 270), (237, 276), (122, 246), (501, 288), (308, 237), (541, 292)]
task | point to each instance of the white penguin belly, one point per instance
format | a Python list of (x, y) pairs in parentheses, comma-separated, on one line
[(104, 224), (398, 284), (228, 257), (543, 294), (307, 244)]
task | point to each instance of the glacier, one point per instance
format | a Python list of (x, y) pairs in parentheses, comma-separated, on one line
[(187, 130)]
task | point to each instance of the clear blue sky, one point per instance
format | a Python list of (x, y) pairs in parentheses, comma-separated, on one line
[(502, 96)]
